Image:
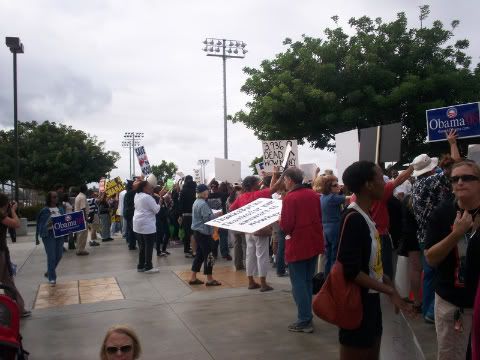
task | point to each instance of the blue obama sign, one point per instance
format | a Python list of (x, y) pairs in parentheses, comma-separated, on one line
[(68, 223), (464, 118)]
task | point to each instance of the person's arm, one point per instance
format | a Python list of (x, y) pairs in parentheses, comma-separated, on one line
[(12, 221), (452, 140), (276, 182), (153, 204), (404, 176), (438, 252)]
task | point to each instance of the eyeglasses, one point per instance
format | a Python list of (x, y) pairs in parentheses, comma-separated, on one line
[(123, 349), (464, 178)]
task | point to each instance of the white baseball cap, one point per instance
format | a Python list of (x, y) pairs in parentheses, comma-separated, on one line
[(423, 164)]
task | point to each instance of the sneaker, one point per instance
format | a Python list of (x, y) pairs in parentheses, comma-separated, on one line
[(52, 282), (307, 328), (140, 270), (83, 253), (26, 313), (94, 243), (152, 271), (108, 239), (165, 252), (161, 254), (429, 319), (45, 275), (285, 274)]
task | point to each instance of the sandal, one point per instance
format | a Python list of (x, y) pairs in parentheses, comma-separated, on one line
[(213, 283), (266, 288), (196, 282), (254, 286)]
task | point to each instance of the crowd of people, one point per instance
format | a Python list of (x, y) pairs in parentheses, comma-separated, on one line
[(427, 213)]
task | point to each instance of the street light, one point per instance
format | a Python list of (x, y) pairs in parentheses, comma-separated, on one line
[(202, 164), (225, 49), (129, 144), (16, 47), (134, 138)]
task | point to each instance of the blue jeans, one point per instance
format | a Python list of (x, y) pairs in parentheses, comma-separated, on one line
[(54, 250), (428, 295), (224, 250), (301, 275), (331, 234), (105, 224), (280, 259)]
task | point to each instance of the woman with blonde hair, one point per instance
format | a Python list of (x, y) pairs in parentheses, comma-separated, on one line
[(120, 343), (318, 183)]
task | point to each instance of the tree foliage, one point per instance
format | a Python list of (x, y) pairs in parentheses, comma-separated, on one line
[(53, 153), (164, 171), (384, 73)]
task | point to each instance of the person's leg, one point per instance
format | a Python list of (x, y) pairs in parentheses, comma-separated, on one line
[(281, 253), (124, 227), (452, 344), (7, 279), (298, 274), (224, 250), (166, 236), (415, 272), (428, 292), (311, 268), (58, 251), (199, 257), (50, 249), (215, 245), (141, 252), (187, 229), (158, 240), (262, 253), (238, 251), (387, 255), (149, 244), (82, 241), (328, 248), (209, 260), (131, 237), (13, 234), (251, 262)]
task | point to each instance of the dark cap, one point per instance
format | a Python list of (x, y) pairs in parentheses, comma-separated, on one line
[(201, 188)]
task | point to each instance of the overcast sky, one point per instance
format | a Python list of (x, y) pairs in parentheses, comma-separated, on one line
[(110, 66)]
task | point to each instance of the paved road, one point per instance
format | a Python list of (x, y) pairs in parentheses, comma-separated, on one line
[(173, 321)]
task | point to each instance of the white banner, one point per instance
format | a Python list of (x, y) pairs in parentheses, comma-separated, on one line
[(309, 171), (251, 217), (143, 160), (348, 150), (276, 151), (228, 170)]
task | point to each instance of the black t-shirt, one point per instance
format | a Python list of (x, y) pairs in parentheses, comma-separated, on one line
[(456, 278), (217, 201)]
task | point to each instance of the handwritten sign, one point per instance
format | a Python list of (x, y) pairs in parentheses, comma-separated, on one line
[(251, 217), (260, 169), (113, 187), (68, 223), (275, 152), (143, 160)]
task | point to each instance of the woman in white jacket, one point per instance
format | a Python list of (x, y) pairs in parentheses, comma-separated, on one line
[(144, 226)]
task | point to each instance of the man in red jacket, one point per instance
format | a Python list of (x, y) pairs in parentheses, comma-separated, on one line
[(301, 221)]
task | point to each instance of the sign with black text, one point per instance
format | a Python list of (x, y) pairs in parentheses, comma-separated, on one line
[(68, 224), (143, 160), (276, 151), (464, 118), (113, 187)]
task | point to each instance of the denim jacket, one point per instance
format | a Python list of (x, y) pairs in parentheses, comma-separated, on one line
[(42, 222)]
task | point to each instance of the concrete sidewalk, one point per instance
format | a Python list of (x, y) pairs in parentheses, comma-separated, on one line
[(173, 320)]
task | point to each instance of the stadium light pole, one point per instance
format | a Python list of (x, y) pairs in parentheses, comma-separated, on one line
[(225, 49), (202, 163), (16, 47), (134, 138)]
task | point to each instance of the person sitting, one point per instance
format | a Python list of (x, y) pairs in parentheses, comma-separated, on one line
[(120, 342)]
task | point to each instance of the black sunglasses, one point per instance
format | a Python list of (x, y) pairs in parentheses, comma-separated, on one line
[(123, 349), (464, 178)]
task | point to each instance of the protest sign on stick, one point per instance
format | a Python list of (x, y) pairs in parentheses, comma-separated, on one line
[(275, 152), (251, 217), (228, 170), (113, 187), (309, 171), (464, 118), (143, 160), (260, 169)]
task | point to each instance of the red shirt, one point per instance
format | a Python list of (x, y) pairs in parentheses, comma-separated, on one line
[(248, 197), (379, 210)]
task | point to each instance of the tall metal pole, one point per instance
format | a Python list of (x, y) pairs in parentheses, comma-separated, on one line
[(15, 125), (133, 152), (130, 156), (225, 127)]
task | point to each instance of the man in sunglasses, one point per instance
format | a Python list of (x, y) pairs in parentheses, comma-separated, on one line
[(431, 187)]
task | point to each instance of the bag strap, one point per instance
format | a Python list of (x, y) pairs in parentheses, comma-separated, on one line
[(343, 228)]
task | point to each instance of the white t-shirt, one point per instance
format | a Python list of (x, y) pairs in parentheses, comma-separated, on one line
[(68, 207), (405, 188), (80, 202), (54, 211), (375, 265), (144, 221), (121, 198)]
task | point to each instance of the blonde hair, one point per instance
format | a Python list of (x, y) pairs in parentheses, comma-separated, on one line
[(469, 163), (124, 330), (318, 184), (327, 184)]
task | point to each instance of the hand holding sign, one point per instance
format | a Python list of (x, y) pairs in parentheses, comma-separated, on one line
[(452, 136)]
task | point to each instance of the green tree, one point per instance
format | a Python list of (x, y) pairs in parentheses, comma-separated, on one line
[(164, 171), (254, 162), (53, 153), (383, 73)]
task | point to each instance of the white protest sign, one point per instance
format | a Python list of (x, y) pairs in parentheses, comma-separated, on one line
[(474, 153), (228, 170), (196, 176), (309, 171), (143, 160), (251, 217), (348, 150), (275, 152), (260, 168)]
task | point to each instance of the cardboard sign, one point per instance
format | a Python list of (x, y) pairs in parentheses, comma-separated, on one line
[(381, 143), (68, 223), (170, 183), (347, 149), (474, 153), (464, 118), (196, 176), (275, 152), (260, 169), (251, 217), (309, 171), (115, 186), (143, 160), (228, 170)]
